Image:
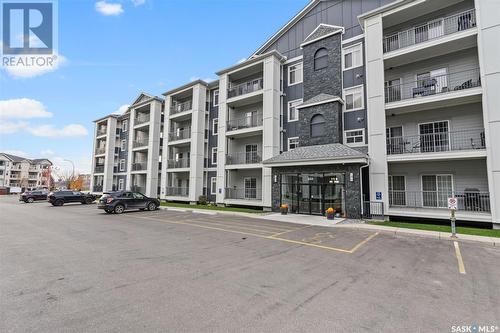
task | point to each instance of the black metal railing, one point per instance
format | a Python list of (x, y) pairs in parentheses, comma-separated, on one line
[(140, 143), (244, 193), (139, 166), (100, 150), (137, 188), (437, 142), (180, 134), (249, 121), (244, 158), (430, 30), (470, 201), (177, 191), (99, 169), (97, 188), (245, 87), (181, 107), (101, 131), (141, 119), (179, 163)]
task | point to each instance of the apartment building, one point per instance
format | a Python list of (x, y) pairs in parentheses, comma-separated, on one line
[(24, 173), (355, 105)]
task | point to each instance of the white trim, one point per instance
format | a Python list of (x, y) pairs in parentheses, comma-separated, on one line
[(124, 122), (215, 124), (120, 165), (335, 99), (297, 110), (437, 189), (292, 138), (289, 61), (301, 74), (213, 190), (218, 97), (340, 29), (318, 162), (120, 184), (344, 53), (355, 144), (434, 122), (212, 155), (353, 39), (123, 145), (362, 97)]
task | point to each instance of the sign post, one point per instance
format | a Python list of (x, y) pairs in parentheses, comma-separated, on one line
[(452, 206)]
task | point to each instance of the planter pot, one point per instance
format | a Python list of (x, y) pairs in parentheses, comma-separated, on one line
[(330, 216), (284, 211)]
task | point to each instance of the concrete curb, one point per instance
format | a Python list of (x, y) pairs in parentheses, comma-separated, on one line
[(212, 212)]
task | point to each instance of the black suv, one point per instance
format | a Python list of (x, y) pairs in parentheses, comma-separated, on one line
[(59, 198), (30, 196), (118, 202)]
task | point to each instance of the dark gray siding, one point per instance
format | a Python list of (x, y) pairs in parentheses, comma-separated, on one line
[(291, 93), (212, 139)]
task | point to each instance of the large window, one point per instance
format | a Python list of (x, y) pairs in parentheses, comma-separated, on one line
[(214, 155), (215, 124), (120, 184), (395, 140), (251, 188), (397, 191), (122, 165), (216, 97), (293, 143), (434, 137), (436, 189), (124, 144), (317, 126), (293, 112), (251, 154), (354, 99), (125, 125), (353, 56), (355, 137), (295, 74), (320, 59), (213, 185)]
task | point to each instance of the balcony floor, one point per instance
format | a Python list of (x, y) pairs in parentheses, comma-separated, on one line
[(439, 156)]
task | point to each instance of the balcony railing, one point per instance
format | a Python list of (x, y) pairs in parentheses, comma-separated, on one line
[(179, 163), (177, 191), (101, 131), (430, 30), (244, 193), (97, 188), (181, 107), (250, 121), (244, 158), (139, 166), (140, 143), (137, 188), (245, 88), (99, 169), (141, 119), (180, 134), (437, 142), (433, 85), (469, 201), (100, 150)]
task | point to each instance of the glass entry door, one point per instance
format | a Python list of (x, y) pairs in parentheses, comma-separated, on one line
[(316, 200)]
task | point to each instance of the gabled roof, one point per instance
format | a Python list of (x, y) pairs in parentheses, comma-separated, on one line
[(144, 97), (320, 99), (18, 159), (322, 31), (332, 153)]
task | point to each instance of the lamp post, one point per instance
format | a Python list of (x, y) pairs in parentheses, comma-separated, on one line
[(73, 168)]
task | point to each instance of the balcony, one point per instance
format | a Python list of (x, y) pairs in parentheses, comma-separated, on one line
[(139, 166), (431, 30), (177, 191), (143, 142), (472, 139), (250, 121), (244, 158), (468, 201), (100, 150), (435, 85), (180, 134), (137, 188), (244, 193), (179, 163), (99, 168), (97, 188), (245, 88), (101, 131), (141, 119), (180, 107)]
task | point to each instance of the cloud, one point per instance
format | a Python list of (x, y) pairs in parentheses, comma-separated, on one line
[(108, 9), (62, 166), (50, 131), (138, 2), (11, 127), (23, 108), (122, 109), (24, 72), (47, 152)]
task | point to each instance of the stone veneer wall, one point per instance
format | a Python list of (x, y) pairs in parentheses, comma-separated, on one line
[(332, 112), (352, 189)]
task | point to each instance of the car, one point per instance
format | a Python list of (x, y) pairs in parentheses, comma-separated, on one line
[(31, 196), (120, 201), (59, 198)]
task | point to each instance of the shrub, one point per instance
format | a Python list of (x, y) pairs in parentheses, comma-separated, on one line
[(202, 199)]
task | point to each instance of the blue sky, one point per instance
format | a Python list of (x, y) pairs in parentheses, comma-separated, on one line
[(112, 50)]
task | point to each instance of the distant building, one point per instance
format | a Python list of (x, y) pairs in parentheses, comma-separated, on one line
[(16, 171)]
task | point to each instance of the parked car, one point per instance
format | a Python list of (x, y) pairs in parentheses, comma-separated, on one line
[(31, 196), (120, 201), (59, 198)]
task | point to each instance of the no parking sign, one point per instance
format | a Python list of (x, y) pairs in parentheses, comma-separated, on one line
[(452, 203)]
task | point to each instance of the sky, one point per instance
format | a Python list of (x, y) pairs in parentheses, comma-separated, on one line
[(110, 51)]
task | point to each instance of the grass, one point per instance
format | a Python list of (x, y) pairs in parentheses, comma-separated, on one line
[(213, 207), (441, 228)]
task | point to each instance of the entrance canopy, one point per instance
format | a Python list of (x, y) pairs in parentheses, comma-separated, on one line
[(334, 153)]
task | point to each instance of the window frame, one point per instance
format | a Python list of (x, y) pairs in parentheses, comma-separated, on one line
[(355, 144), (120, 165), (293, 138), (215, 128), (317, 115), (213, 189), (125, 125), (315, 58), (216, 93), (214, 149), (298, 101), (344, 94), (123, 145), (120, 184), (301, 73), (348, 50)]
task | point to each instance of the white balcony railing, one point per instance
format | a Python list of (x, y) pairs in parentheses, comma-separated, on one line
[(469, 200)]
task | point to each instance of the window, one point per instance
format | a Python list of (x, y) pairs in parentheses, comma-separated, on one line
[(120, 184), (317, 126), (250, 188), (293, 112), (251, 154), (397, 190), (432, 82), (213, 185), (122, 165), (295, 74), (355, 137), (353, 56), (216, 97), (214, 155), (320, 59), (434, 137), (392, 90), (354, 99), (395, 141), (215, 126), (293, 143), (124, 125), (123, 145), (436, 189)]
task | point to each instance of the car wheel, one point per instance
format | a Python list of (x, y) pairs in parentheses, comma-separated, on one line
[(151, 206), (119, 209), (30, 200), (59, 202), (88, 201)]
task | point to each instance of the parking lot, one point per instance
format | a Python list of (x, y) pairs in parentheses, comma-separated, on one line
[(75, 268)]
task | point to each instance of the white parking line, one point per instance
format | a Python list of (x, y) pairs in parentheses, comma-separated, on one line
[(204, 213), (461, 267), (177, 210)]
